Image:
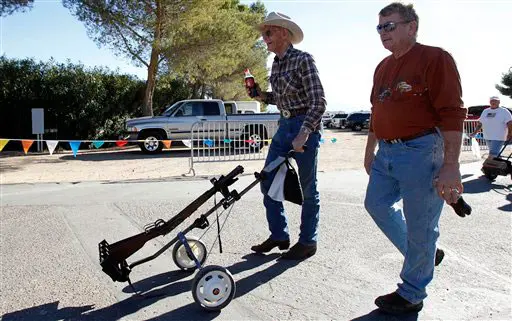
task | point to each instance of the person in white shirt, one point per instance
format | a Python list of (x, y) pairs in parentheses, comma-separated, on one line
[(496, 122)]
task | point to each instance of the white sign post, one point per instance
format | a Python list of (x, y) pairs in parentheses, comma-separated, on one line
[(38, 126)]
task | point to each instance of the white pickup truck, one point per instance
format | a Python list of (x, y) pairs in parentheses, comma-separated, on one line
[(177, 121)]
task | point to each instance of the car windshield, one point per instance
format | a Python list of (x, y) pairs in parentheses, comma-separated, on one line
[(169, 110)]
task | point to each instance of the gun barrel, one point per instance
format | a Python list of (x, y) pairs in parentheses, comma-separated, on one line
[(223, 182)]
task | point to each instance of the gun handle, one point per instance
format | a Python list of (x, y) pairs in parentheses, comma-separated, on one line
[(461, 207)]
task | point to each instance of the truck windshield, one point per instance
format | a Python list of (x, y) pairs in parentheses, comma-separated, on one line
[(169, 110)]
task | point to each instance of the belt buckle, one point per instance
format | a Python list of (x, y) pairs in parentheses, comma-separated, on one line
[(286, 114)]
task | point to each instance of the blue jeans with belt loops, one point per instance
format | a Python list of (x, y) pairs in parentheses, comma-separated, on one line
[(406, 171), (307, 169)]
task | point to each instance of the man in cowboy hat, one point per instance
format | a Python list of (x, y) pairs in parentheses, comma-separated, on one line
[(298, 93)]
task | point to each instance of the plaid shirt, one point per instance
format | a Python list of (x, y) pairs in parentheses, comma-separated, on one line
[(296, 85)]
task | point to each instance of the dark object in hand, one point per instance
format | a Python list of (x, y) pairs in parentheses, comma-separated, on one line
[(461, 207)]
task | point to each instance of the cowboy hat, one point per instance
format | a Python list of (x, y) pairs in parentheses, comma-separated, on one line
[(281, 20), (495, 98)]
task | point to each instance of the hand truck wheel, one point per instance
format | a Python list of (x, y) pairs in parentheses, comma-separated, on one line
[(213, 288), (183, 260)]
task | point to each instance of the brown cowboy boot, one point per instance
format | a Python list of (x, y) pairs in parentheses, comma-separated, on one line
[(269, 244), (299, 252)]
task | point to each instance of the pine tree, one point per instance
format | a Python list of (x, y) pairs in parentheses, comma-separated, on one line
[(506, 80)]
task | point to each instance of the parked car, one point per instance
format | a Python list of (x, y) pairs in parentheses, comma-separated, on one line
[(244, 107), (366, 124), (176, 123), (338, 121), (356, 121), (327, 119), (474, 112)]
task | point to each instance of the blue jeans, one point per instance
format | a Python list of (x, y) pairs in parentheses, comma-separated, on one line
[(406, 171), (495, 146), (307, 168)]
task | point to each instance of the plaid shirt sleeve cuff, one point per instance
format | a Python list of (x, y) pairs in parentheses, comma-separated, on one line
[(307, 127)]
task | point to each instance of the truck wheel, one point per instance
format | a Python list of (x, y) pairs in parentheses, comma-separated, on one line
[(152, 143), (357, 127), (254, 139)]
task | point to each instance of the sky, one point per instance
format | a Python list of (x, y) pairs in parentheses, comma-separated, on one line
[(340, 35)]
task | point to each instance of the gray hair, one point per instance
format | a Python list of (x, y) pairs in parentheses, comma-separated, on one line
[(406, 12)]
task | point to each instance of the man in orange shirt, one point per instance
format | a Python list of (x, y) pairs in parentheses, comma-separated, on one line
[(417, 118)]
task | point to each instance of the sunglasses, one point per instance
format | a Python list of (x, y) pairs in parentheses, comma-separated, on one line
[(268, 33), (389, 26)]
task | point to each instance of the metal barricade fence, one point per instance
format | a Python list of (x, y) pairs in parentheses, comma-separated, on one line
[(469, 127), (229, 140)]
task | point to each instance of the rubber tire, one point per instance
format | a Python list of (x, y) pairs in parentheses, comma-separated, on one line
[(261, 133), (490, 176), (157, 136), (178, 245), (201, 274)]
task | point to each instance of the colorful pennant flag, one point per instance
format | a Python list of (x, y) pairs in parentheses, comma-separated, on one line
[(121, 143), (74, 146), (209, 142), (167, 143), (187, 143), (322, 140), (26, 145), (98, 143), (3, 142), (334, 140), (51, 145), (227, 140)]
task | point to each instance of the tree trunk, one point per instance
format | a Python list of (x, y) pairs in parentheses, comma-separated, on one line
[(150, 83), (147, 104)]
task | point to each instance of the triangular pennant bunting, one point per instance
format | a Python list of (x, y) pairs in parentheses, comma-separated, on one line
[(121, 143), (208, 142), (227, 140), (51, 145), (3, 142), (97, 143), (74, 146), (187, 143), (26, 145), (167, 143)]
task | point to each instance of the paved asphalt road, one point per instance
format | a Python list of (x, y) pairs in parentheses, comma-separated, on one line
[(50, 270)]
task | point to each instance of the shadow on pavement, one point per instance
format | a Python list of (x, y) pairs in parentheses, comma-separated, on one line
[(137, 154), (483, 185), (376, 315), (124, 155), (169, 285), (507, 207)]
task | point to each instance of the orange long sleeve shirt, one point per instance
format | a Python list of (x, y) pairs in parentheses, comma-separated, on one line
[(415, 92)]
